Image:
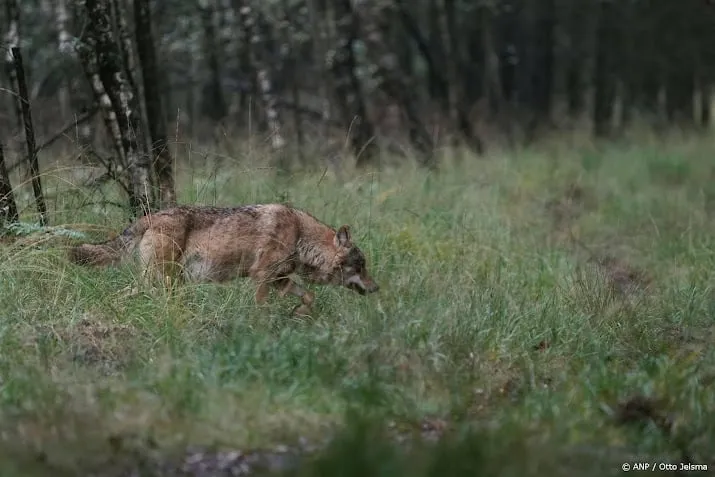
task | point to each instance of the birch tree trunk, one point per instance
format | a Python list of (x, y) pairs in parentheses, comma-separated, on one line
[(12, 40), (124, 103), (262, 74), (126, 46), (64, 45), (319, 37), (247, 79), (85, 50)]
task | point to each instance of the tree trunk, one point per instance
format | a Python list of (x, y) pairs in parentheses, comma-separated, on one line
[(543, 71), (124, 103), (152, 98), (347, 86), (680, 90), (29, 136), (291, 71), (214, 102), (491, 84), (480, 58), (258, 65), (604, 76), (64, 43), (680, 49), (127, 48), (247, 79), (452, 60), (88, 58), (436, 82), (405, 54), (510, 54), (320, 50), (129, 63), (386, 74), (536, 76), (455, 94), (644, 60), (270, 106), (576, 61), (706, 103), (12, 40), (8, 206)]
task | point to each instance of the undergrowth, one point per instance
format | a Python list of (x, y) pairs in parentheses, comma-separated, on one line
[(526, 300)]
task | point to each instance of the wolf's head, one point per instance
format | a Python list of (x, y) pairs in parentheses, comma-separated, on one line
[(351, 269)]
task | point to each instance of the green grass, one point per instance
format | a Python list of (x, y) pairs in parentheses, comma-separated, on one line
[(488, 317)]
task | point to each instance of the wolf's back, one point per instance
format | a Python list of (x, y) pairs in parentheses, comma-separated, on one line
[(110, 252)]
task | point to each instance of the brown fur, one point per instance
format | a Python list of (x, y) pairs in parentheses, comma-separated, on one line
[(267, 242)]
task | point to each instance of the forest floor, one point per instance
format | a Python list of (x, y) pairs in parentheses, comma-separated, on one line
[(541, 312)]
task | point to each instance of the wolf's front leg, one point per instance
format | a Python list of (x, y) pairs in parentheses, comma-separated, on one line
[(261, 293), (268, 265), (288, 286)]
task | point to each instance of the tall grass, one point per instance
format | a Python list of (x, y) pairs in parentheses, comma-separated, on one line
[(489, 317)]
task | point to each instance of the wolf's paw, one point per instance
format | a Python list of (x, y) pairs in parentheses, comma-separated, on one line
[(302, 311)]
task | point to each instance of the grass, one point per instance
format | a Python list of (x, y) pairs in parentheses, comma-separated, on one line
[(488, 317)]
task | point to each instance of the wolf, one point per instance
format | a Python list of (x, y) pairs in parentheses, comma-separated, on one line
[(266, 242)]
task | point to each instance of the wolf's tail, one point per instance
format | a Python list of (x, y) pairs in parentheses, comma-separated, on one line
[(110, 252)]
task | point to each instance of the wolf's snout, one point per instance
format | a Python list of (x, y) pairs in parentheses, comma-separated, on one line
[(361, 285)]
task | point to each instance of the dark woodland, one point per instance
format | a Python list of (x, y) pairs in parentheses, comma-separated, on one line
[(323, 81)]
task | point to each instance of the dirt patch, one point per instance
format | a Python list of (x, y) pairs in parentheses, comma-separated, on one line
[(606, 290), (95, 343), (690, 343), (620, 276), (623, 278), (639, 410)]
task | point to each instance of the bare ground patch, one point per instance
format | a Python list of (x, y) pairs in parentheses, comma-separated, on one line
[(96, 343)]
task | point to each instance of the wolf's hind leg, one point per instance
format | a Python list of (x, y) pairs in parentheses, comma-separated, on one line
[(160, 255)]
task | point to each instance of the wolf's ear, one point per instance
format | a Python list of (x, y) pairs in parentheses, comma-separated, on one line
[(342, 237)]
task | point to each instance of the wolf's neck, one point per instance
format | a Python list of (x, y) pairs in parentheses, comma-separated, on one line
[(316, 249)]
